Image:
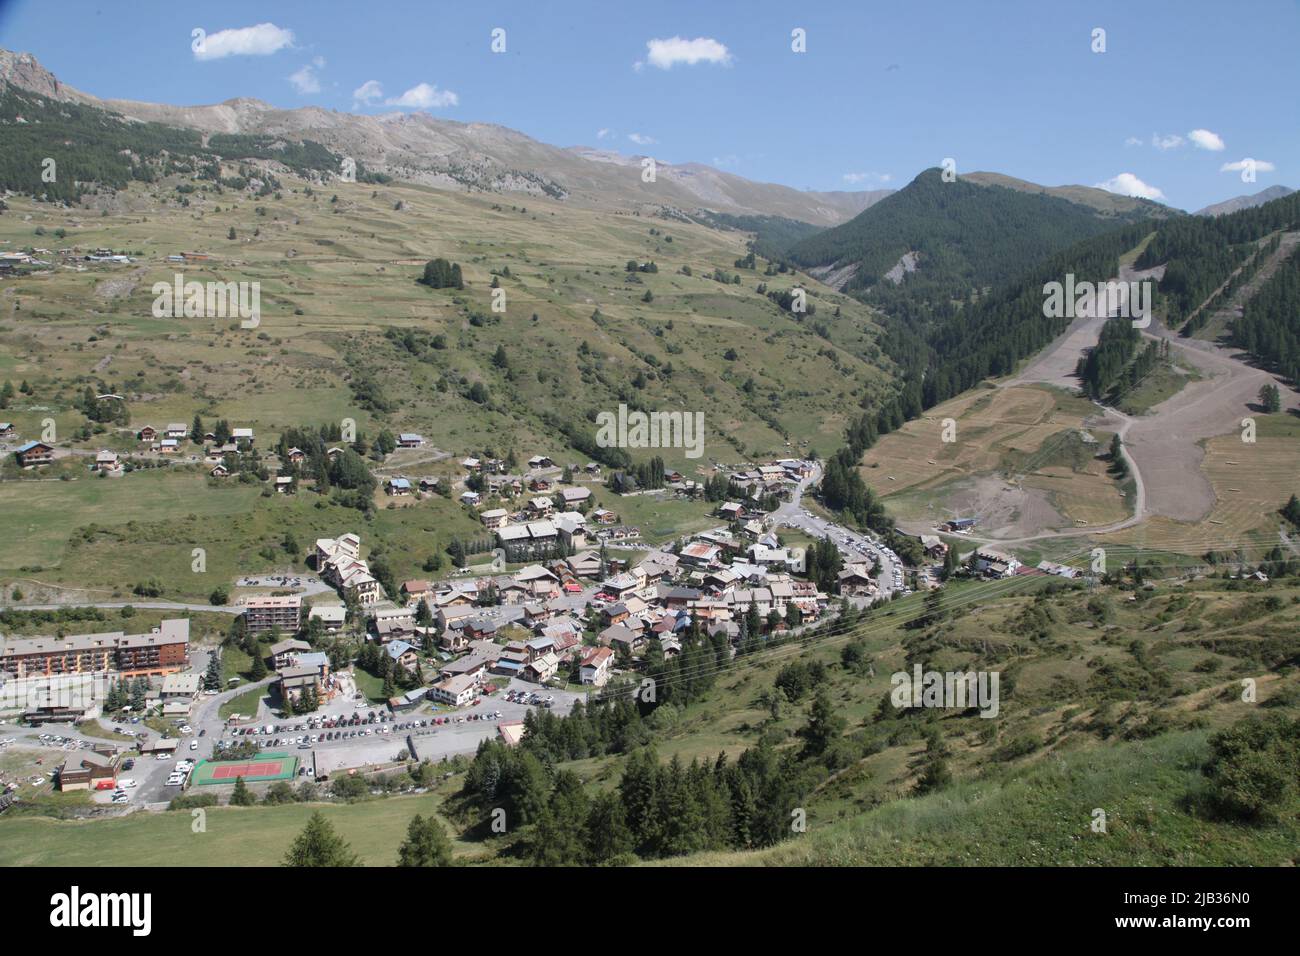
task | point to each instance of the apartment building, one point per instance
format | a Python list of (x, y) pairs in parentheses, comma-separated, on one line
[(263, 613), (163, 650)]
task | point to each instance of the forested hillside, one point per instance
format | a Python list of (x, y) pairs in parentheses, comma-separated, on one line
[(773, 235), (967, 237), (947, 349), (98, 148), (1200, 252), (1270, 325)]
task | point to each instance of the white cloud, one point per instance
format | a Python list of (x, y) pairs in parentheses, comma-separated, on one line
[(665, 54), (1259, 165), (261, 40), (1204, 139), (423, 96), (305, 80), (1171, 141), (722, 162), (856, 178), (1126, 184), (602, 133), (1133, 141), (640, 139), (368, 93)]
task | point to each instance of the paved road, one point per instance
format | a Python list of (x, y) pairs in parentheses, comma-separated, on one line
[(113, 605), (308, 585)]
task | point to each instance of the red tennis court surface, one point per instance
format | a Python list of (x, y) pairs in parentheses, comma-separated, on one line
[(269, 767), (246, 770)]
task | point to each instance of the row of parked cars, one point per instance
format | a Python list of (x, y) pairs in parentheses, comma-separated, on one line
[(315, 723), (529, 697)]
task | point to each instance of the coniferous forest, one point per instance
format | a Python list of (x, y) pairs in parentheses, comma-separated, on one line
[(1270, 325)]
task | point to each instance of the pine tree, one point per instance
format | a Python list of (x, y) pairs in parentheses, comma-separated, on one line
[(426, 843), (824, 724), (241, 797), (212, 676), (607, 836), (1292, 511), (935, 776), (558, 836), (319, 845), (1271, 398)]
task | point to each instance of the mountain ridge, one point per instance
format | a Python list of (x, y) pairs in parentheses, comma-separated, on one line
[(451, 153), (1248, 201)]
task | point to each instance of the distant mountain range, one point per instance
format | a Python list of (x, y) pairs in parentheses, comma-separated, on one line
[(1245, 202), (448, 154), (421, 148)]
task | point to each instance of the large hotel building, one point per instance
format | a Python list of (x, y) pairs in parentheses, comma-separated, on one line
[(164, 650)]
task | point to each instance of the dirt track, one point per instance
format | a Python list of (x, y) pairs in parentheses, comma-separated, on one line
[(1163, 446)]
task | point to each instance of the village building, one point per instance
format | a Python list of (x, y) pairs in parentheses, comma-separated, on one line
[(596, 665), (456, 691), (574, 497), (161, 651), (34, 453), (403, 654), (541, 669), (332, 616), (995, 564), (107, 462), (285, 653), (298, 680), (268, 612), (94, 769)]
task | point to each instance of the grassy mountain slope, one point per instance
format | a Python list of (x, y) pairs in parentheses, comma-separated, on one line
[(1042, 816), (337, 270)]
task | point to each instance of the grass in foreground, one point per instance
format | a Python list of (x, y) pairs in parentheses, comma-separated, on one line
[(1042, 816)]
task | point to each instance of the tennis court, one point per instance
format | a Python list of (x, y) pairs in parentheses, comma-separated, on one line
[(258, 769)]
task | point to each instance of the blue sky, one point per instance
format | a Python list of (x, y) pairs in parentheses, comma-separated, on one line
[(882, 92)]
